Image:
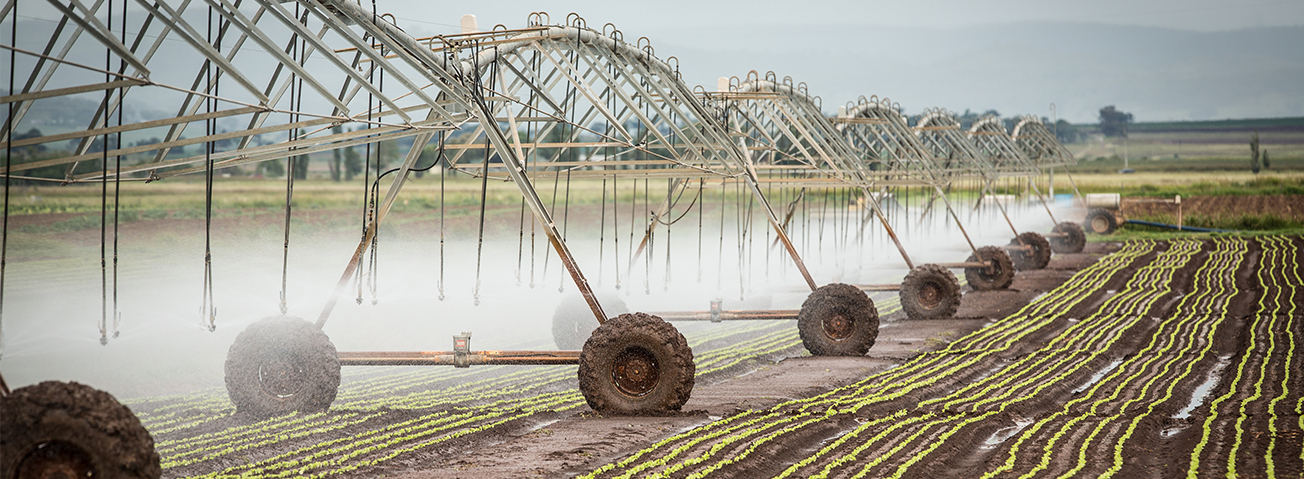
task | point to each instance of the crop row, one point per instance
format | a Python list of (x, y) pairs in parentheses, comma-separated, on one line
[(1057, 364), (1278, 316), (1192, 323), (716, 438), (372, 420)]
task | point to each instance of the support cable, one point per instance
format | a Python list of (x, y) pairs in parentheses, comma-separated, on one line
[(615, 226), (602, 228), (366, 166), (209, 310), (442, 172), (701, 185), (484, 181), (104, 193), (374, 276), (647, 265), (9, 156), (117, 178), (296, 87)]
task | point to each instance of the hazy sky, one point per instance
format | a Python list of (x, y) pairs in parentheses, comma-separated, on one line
[(1197, 15), (1159, 59)]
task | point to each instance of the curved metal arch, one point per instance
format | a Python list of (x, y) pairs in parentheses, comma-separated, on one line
[(342, 92), (592, 105), (1040, 145), (782, 129), (989, 136), (577, 101), (890, 149), (956, 156)]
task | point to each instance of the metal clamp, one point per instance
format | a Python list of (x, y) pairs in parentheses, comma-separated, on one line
[(462, 350)]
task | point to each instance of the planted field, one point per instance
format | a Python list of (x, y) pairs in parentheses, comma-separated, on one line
[(1164, 358), (1169, 359), (386, 417)]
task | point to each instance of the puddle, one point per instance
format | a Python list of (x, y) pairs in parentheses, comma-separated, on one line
[(543, 425), (1095, 378), (1002, 434), (1172, 431), (1204, 389)]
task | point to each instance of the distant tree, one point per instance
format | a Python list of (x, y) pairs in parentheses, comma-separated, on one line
[(1265, 160), (270, 169), (300, 164), (335, 157), (1114, 122), (352, 163), (1254, 153), (29, 151), (301, 167), (1066, 132)]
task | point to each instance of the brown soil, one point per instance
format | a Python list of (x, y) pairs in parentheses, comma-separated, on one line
[(1112, 361), (578, 444), (1285, 206)]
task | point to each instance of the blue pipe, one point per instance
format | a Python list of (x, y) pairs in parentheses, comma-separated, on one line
[(1179, 228)]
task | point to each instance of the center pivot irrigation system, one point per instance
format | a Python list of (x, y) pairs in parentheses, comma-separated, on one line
[(544, 103)]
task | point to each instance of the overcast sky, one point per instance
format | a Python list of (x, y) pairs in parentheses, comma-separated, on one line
[(1159, 59), (1196, 15)]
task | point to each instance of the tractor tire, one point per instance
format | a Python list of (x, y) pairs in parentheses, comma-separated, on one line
[(930, 292), (636, 363), (996, 276), (58, 429), (1073, 241), (838, 320), (573, 321), (280, 365), (1038, 258), (1101, 222)]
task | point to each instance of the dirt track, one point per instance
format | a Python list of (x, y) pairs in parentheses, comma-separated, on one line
[(1158, 359)]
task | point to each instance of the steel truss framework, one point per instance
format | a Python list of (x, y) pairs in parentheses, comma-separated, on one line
[(782, 131), (989, 136), (893, 151), (1040, 145), (967, 156), (307, 76)]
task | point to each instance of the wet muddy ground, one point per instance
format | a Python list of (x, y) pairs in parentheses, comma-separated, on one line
[(1147, 359)]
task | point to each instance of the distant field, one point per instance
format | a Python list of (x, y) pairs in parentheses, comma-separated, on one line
[(1282, 138)]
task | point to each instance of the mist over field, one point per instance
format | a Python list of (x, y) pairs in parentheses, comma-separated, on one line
[(53, 309)]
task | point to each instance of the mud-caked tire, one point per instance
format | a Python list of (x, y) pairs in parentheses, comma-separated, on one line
[(280, 365), (1071, 240), (55, 428), (1037, 258), (999, 275), (573, 321), (636, 363), (930, 292), (838, 320), (1100, 222)]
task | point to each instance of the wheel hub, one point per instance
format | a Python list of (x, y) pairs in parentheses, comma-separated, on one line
[(1099, 224), (838, 327), (930, 295), (281, 376), (635, 372), (56, 460)]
